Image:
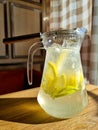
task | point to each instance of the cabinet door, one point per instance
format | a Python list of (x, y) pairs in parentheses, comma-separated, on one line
[(3, 31), (24, 20), (19, 18)]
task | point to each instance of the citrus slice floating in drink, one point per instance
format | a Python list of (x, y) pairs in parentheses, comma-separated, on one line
[(58, 84), (48, 78)]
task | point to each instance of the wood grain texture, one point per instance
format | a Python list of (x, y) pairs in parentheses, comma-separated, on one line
[(21, 111)]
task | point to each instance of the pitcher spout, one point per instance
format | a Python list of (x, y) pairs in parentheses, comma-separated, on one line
[(82, 32)]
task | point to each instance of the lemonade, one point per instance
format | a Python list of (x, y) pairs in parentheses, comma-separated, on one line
[(64, 106), (62, 93)]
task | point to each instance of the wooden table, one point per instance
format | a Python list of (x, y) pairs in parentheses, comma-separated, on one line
[(20, 111)]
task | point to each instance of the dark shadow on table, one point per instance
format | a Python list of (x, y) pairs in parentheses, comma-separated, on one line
[(94, 96), (24, 110)]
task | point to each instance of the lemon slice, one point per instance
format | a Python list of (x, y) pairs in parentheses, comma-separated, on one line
[(48, 78), (51, 69), (65, 85), (59, 84), (74, 79), (56, 84)]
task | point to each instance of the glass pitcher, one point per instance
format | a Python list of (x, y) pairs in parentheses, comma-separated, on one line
[(62, 91)]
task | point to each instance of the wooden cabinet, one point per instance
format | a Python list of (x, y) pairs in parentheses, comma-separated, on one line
[(3, 32), (19, 17)]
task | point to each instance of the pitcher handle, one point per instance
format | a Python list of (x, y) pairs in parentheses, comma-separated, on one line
[(32, 50)]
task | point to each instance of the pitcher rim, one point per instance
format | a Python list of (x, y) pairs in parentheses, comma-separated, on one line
[(59, 31)]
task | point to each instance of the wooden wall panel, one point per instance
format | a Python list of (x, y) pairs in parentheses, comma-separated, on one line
[(2, 46), (25, 21), (18, 18)]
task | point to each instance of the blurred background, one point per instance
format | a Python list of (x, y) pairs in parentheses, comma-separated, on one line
[(22, 21)]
